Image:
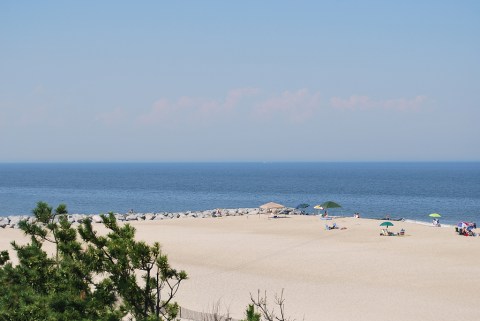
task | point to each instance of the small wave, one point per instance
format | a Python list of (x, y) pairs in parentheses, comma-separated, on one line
[(425, 223)]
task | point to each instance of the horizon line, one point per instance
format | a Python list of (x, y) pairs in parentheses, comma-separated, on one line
[(238, 162)]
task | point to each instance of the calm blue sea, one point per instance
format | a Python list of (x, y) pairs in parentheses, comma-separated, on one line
[(409, 190)]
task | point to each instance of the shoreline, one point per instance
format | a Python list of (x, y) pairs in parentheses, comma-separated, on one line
[(11, 221)]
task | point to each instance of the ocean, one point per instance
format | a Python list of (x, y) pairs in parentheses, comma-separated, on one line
[(407, 190)]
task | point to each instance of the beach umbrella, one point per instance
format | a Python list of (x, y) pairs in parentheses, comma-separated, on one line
[(318, 208), (303, 205), (330, 204), (387, 224), (435, 215), (271, 206)]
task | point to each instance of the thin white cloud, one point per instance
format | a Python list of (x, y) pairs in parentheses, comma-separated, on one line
[(234, 96), (293, 106), (241, 103), (250, 104), (296, 105), (192, 109), (366, 103)]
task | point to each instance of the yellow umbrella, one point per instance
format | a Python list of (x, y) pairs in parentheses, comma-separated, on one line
[(319, 208)]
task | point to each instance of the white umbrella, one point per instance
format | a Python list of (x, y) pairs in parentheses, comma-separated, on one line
[(271, 206)]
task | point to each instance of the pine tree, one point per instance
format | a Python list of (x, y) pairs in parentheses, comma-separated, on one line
[(251, 314), (90, 277)]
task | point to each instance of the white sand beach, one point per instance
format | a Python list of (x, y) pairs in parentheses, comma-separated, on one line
[(352, 274)]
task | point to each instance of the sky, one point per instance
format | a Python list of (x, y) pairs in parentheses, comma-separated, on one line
[(222, 81)]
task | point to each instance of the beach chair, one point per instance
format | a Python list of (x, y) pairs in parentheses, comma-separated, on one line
[(384, 232)]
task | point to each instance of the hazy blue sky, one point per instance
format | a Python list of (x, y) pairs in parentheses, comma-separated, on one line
[(239, 80)]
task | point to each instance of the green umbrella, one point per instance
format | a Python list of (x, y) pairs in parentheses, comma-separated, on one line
[(387, 224), (435, 215), (330, 204)]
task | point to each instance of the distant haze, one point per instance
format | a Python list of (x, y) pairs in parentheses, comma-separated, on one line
[(239, 81)]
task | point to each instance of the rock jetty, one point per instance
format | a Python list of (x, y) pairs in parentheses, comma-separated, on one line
[(13, 220)]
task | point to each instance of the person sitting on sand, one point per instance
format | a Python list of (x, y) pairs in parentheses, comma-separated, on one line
[(386, 232), (470, 231), (334, 226)]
